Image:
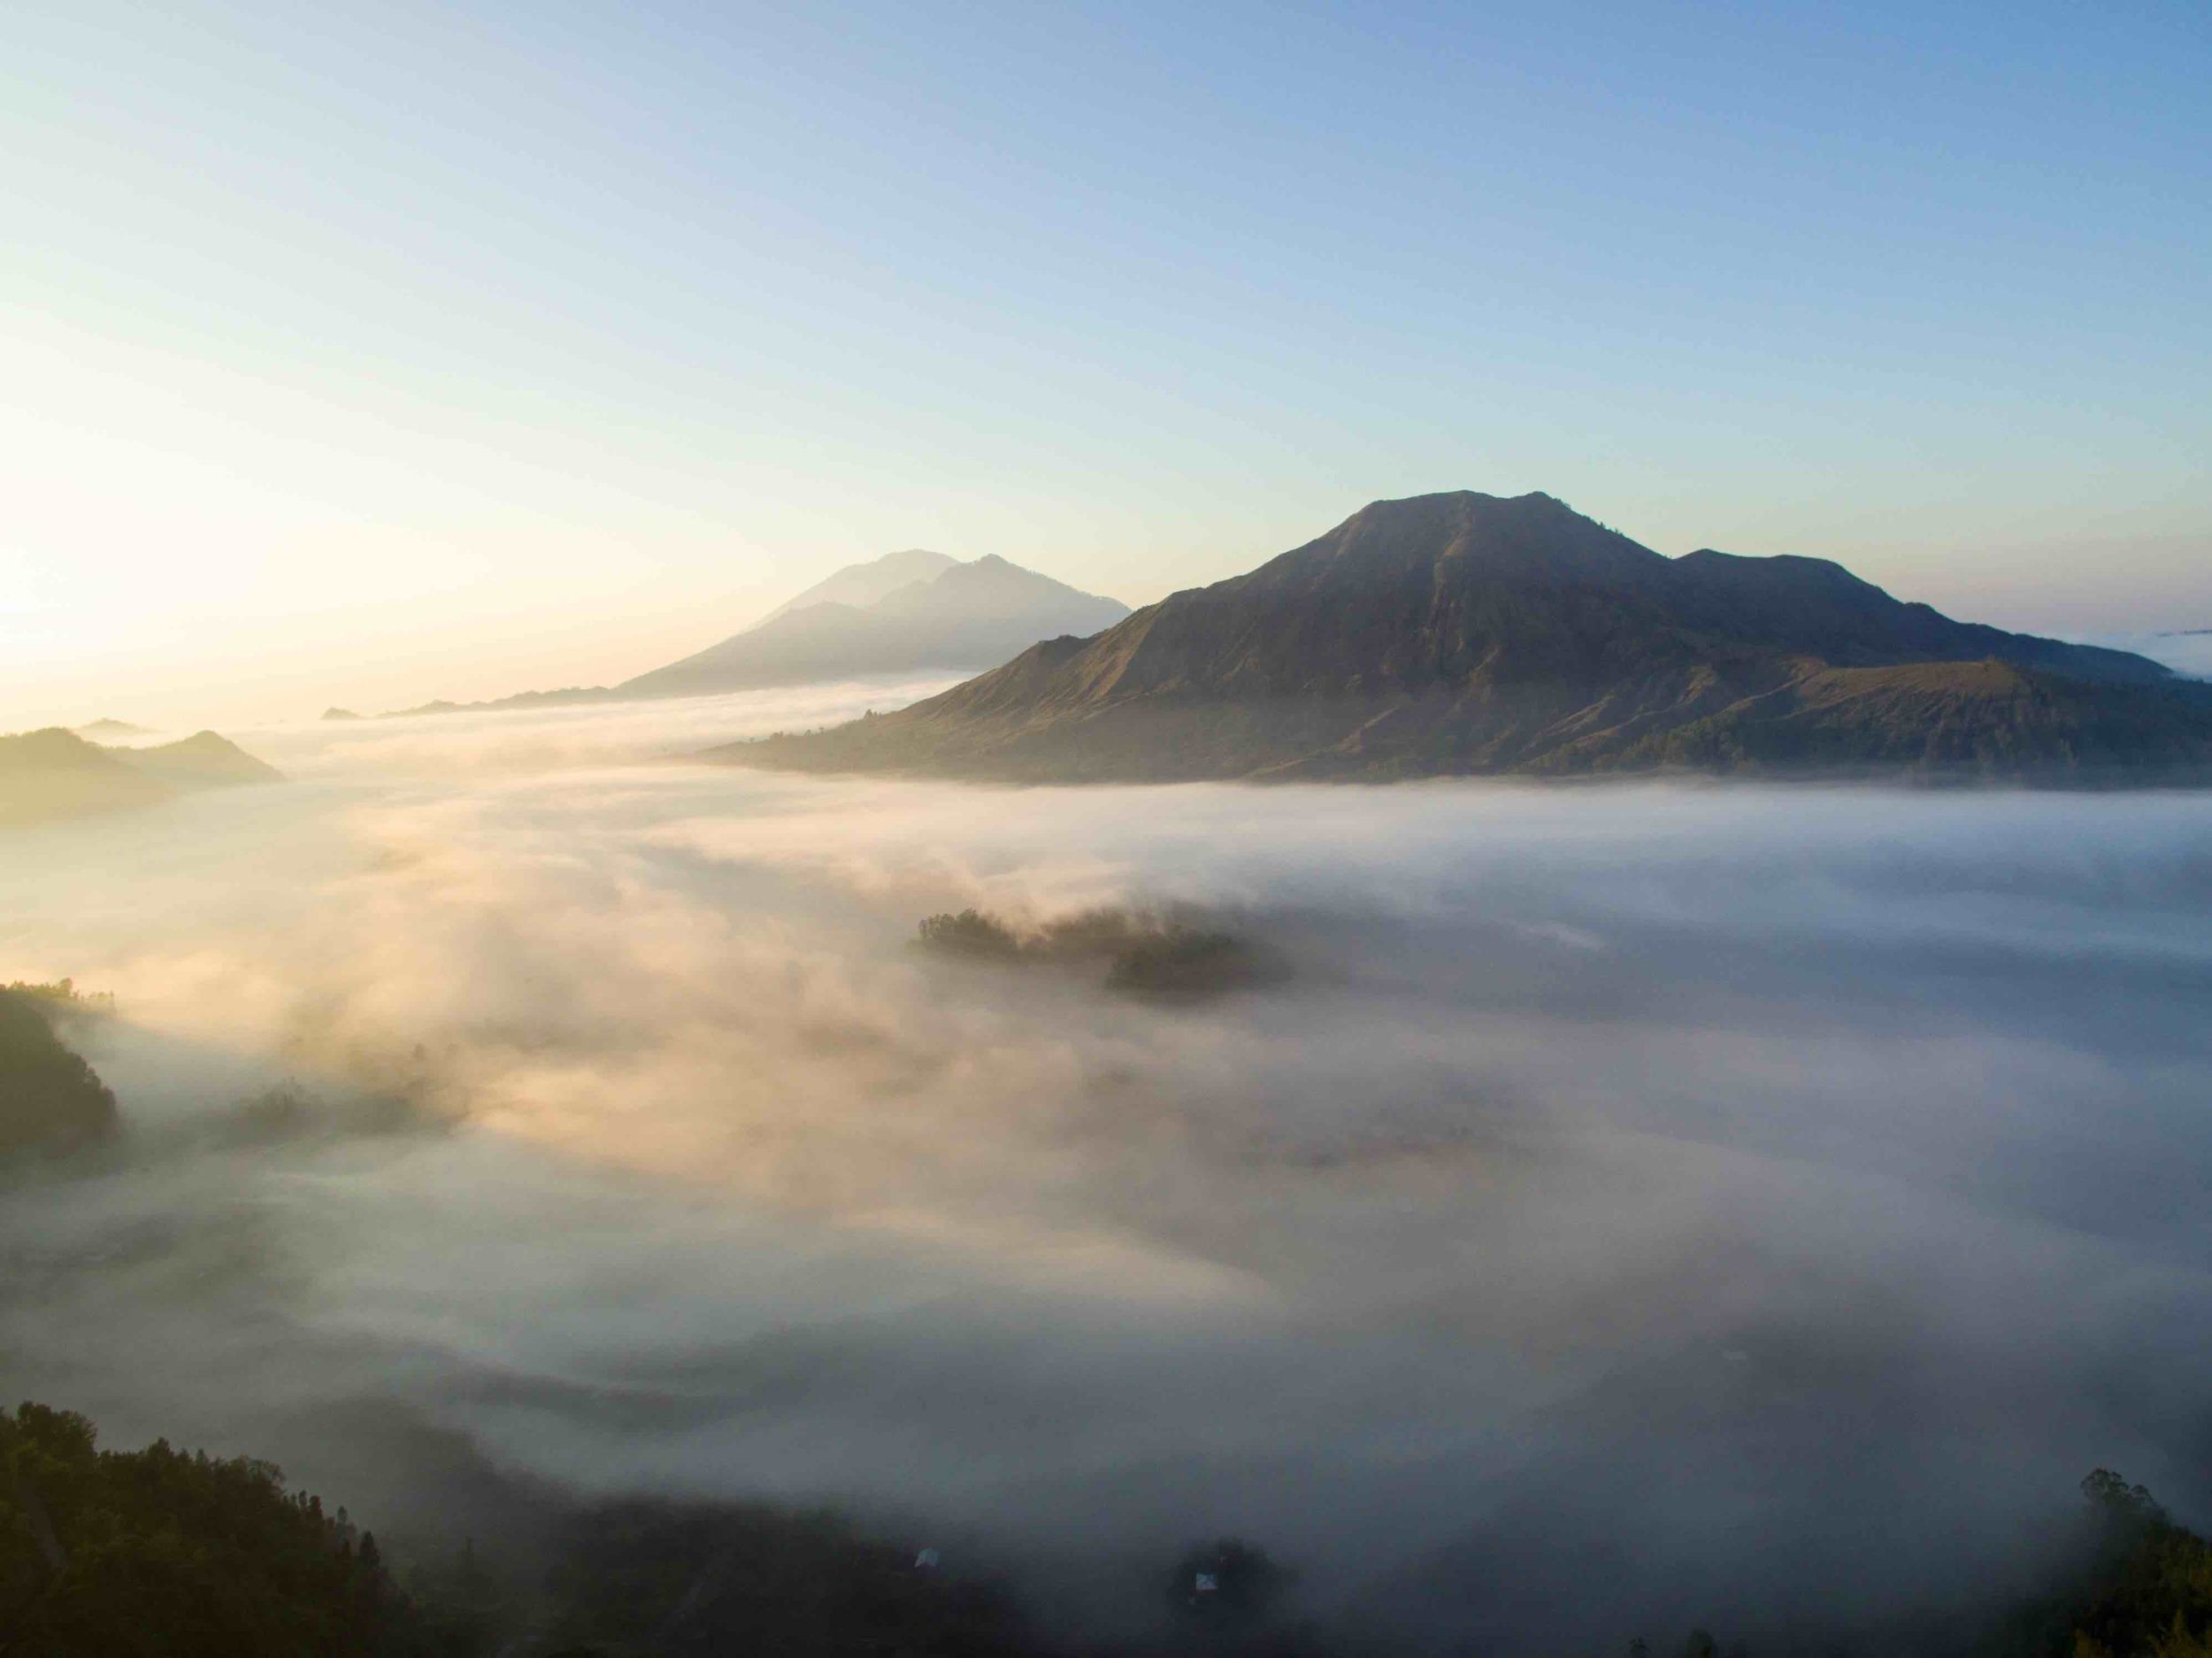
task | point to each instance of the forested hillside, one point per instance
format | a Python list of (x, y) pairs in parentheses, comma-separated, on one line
[(167, 1554), (49, 1099)]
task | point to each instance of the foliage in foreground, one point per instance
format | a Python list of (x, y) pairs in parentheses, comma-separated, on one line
[(164, 1553), (2150, 1589), (51, 1101)]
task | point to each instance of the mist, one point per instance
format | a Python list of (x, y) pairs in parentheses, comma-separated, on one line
[(1639, 1204)]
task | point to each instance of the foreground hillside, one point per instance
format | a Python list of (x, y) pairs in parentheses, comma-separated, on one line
[(1465, 634), (167, 1554)]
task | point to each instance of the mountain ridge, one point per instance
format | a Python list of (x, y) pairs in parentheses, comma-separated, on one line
[(1466, 634), (52, 774), (863, 584), (964, 615)]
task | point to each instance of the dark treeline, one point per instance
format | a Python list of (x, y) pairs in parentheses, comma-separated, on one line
[(1177, 954), (165, 1554)]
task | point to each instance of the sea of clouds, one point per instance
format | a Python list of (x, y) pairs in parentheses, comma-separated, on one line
[(1761, 1203)]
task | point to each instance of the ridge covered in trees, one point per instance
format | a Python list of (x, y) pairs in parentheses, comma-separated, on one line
[(162, 1552), (50, 1099), (170, 1554)]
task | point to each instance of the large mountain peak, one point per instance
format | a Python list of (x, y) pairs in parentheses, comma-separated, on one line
[(1470, 633), (1462, 534)]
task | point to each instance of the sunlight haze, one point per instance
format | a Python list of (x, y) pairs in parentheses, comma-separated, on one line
[(379, 353), (967, 830)]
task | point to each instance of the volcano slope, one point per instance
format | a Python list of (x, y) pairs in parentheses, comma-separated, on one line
[(1474, 635)]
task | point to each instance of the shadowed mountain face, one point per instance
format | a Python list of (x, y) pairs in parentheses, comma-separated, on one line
[(52, 774), (1470, 633)]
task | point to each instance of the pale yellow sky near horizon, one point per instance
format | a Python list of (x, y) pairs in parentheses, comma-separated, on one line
[(257, 642), (367, 355)]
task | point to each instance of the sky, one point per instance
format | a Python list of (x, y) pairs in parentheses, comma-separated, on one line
[(373, 353)]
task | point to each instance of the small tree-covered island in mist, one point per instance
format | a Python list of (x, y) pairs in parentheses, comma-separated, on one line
[(1174, 956), (991, 831)]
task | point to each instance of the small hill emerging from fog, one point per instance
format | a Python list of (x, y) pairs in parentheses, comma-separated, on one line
[(54, 774), (1472, 634), (906, 613)]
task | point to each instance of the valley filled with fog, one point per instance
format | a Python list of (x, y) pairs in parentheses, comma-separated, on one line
[(1628, 1201)]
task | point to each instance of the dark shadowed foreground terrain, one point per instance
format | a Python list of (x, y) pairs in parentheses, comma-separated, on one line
[(1628, 1208), (176, 1552)]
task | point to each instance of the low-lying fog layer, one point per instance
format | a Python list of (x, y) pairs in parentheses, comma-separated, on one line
[(1640, 1204)]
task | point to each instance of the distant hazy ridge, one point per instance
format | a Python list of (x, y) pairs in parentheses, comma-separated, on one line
[(50, 774), (902, 613)]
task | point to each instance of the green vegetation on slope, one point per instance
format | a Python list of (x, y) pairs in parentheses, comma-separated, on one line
[(2148, 1590), (51, 1101), (164, 1554)]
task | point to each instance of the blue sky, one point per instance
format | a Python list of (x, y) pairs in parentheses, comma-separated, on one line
[(375, 352)]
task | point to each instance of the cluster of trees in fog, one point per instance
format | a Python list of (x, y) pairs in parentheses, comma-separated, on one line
[(1174, 956), (164, 1552)]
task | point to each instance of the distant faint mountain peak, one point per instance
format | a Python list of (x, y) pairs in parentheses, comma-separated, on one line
[(864, 584), (908, 612), (866, 620)]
